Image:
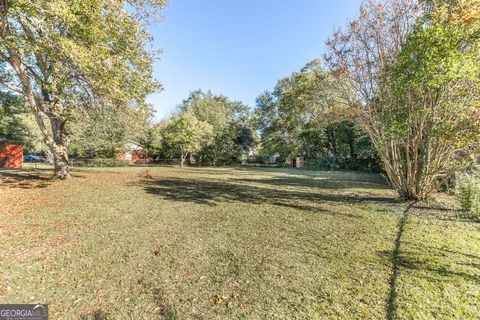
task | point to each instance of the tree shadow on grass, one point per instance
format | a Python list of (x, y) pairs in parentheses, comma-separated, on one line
[(23, 179), (410, 263), (212, 192), (395, 261), (443, 252), (318, 183), (437, 213), (406, 259)]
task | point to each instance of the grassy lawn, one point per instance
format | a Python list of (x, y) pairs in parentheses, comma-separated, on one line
[(236, 243)]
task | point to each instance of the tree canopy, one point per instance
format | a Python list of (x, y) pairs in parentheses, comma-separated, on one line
[(231, 130), (66, 55), (185, 134), (411, 69), (303, 116)]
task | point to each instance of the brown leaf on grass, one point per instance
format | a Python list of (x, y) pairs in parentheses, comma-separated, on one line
[(217, 299), (146, 174)]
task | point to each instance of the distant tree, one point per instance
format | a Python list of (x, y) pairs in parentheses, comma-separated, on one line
[(12, 127), (413, 79), (303, 115), (233, 132), (104, 133), (154, 141), (62, 55), (185, 134)]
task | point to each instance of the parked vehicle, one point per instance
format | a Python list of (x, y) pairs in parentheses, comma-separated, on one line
[(33, 158)]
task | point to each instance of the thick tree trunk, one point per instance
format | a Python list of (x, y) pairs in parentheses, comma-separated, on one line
[(62, 171), (59, 149)]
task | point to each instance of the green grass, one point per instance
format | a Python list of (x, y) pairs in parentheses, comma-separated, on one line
[(232, 243)]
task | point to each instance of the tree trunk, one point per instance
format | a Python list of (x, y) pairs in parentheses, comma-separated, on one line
[(59, 149), (182, 160), (332, 142), (351, 145), (405, 170), (61, 163)]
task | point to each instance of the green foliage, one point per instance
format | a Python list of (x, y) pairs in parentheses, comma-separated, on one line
[(229, 130), (233, 133), (301, 116), (469, 197), (67, 57), (105, 132), (100, 163), (88, 45), (433, 93), (223, 149), (16, 122), (436, 57), (414, 88), (11, 123), (322, 164), (184, 134)]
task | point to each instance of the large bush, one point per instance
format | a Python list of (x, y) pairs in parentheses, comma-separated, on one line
[(470, 195), (100, 163)]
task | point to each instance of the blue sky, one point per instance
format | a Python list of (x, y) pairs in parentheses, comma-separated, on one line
[(239, 48)]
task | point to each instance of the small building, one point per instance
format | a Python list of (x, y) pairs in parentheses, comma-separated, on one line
[(298, 162), (11, 155), (134, 154)]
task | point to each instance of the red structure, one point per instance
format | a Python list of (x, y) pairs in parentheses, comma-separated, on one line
[(134, 154), (135, 157), (11, 156)]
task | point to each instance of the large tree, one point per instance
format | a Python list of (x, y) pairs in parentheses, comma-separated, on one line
[(62, 55), (232, 128), (410, 69), (184, 134)]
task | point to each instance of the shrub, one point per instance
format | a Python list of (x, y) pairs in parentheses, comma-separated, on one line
[(470, 195), (322, 164), (100, 163)]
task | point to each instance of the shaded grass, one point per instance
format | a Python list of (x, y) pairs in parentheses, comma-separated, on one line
[(204, 243)]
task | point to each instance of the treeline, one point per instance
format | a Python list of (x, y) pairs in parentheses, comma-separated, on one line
[(299, 117), (302, 116)]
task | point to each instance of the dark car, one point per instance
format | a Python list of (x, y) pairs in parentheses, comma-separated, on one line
[(33, 158)]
